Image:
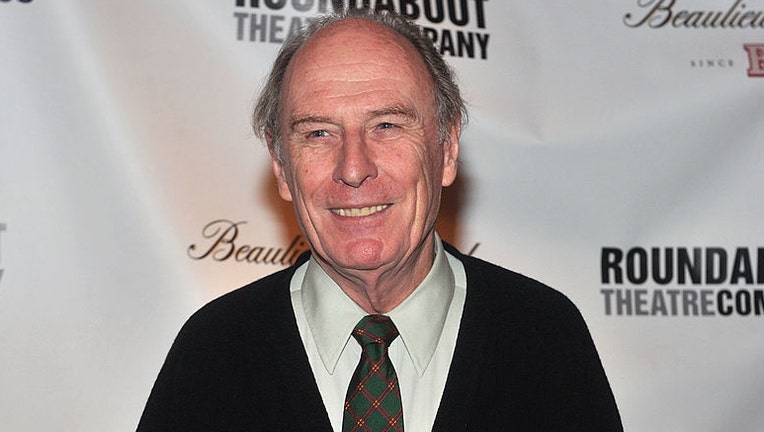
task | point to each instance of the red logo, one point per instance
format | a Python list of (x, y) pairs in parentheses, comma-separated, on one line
[(755, 59)]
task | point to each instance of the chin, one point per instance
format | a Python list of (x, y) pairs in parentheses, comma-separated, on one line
[(364, 253)]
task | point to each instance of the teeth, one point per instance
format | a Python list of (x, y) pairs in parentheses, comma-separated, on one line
[(357, 212)]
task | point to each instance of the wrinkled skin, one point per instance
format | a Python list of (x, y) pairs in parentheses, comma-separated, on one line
[(362, 162)]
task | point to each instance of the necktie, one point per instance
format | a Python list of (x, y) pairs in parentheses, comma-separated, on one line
[(373, 401)]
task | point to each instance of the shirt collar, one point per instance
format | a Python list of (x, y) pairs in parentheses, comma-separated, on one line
[(332, 315)]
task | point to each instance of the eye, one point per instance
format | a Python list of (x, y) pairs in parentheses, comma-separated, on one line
[(386, 125), (318, 134)]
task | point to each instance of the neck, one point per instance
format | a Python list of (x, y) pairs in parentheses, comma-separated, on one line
[(380, 290)]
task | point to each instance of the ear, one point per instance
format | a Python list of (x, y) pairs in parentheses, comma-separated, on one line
[(278, 171), (451, 153)]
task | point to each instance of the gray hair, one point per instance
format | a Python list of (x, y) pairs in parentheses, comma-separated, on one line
[(449, 106)]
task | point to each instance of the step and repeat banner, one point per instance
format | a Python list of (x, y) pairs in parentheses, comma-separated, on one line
[(615, 151)]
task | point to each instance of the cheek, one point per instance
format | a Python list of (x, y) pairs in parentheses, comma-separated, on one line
[(297, 173), (424, 167), (312, 183), (421, 174), (432, 168)]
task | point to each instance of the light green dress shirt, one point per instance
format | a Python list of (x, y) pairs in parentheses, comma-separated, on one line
[(428, 323)]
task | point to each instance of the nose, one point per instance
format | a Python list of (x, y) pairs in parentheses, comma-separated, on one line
[(356, 162)]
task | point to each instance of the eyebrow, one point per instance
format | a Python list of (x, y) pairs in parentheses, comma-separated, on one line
[(396, 110), (400, 110), (308, 119)]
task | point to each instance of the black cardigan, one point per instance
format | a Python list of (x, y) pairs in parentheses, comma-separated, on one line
[(524, 361)]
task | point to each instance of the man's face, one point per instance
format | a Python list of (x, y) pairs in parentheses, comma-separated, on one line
[(362, 161)]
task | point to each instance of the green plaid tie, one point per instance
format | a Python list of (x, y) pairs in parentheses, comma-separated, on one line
[(373, 401)]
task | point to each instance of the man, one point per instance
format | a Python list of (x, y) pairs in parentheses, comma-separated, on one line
[(362, 119)]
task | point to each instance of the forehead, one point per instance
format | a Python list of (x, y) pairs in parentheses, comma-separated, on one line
[(355, 56)]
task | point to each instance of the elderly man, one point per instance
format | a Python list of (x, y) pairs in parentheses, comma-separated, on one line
[(382, 326)]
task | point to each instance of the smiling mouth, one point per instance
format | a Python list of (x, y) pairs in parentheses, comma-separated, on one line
[(360, 211)]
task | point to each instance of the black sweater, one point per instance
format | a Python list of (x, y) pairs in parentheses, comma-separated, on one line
[(524, 361)]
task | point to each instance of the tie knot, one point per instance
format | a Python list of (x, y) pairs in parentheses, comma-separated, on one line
[(375, 329)]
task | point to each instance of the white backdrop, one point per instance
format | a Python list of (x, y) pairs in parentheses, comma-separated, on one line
[(600, 133)]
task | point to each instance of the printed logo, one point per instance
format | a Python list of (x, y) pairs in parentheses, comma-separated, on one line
[(711, 63), (667, 13), (457, 27), (221, 243), (755, 59), (680, 281)]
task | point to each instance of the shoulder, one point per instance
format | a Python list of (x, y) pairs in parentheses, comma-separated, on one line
[(524, 313), (519, 336), (242, 313), (491, 287)]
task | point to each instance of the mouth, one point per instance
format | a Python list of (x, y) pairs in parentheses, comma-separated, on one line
[(359, 211)]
